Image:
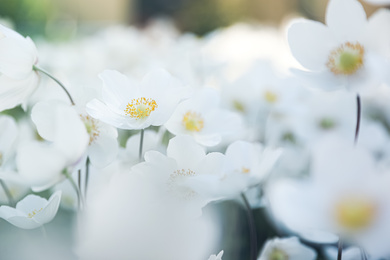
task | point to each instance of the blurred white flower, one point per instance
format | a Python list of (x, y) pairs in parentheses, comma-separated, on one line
[(346, 196), (217, 257), (32, 211), (286, 248), (349, 52), (129, 104), (201, 117), (18, 55), (378, 2), (41, 163)]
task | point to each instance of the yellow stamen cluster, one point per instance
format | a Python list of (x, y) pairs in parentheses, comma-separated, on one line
[(238, 106), (91, 125), (34, 212), (193, 121), (346, 59), (355, 213), (181, 192), (270, 97), (140, 108), (278, 254), (245, 170)]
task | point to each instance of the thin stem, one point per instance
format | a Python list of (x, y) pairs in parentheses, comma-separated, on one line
[(359, 110), (252, 228), (56, 80), (44, 234), (79, 179), (363, 254), (66, 173), (7, 193), (340, 250), (86, 177), (141, 144)]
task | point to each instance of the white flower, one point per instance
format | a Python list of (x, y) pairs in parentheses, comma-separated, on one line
[(176, 171), (349, 52), (217, 257), (9, 132), (32, 211), (18, 55), (346, 196), (129, 104), (201, 117), (41, 163), (286, 249)]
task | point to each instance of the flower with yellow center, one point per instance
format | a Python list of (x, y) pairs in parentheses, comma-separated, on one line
[(193, 121), (348, 52), (140, 108), (270, 96), (201, 117), (128, 103), (355, 214), (346, 59)]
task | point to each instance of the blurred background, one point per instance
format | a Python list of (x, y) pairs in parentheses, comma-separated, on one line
[(61, 20)]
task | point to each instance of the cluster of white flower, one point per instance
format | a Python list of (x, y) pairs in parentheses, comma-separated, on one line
[(138, 155)]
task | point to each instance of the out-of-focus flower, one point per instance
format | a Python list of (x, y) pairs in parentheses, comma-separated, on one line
[(201, 117), (286, 248), (18, 55), (346, 196), (129, 104), (217, 257), (9, 132), (349, 52), (41, 163), (156, 223), (32, 211)]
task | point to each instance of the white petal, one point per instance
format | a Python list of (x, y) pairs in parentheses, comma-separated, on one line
[(324, 80), (376, 36), (346, 19), (44, 114), (103, 150), (15, 92), (23, 222), (310, 43), (17, 59), (30, 203), (48, 213), (185, 151)]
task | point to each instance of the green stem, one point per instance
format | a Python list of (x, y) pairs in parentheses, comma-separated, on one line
[(86, 177), (56, 80), (7, 193), (141, 144), (252, 228)]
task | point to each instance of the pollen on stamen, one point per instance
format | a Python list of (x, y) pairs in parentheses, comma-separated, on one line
[(92, 127), (346, 59), (140, 108), (193, 121), (34, 212)]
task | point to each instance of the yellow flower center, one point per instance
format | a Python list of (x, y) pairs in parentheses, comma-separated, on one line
[(277, 254), (193, 121), (33, 213), (346, 59), (270, 97), (355, 213), (140, 108), (245, 170), (91, 125)]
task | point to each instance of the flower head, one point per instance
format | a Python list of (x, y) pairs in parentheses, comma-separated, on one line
[(32, 211)]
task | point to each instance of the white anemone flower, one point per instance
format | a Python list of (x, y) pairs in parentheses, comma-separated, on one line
[(175, 171), (217, 257), (41, 163), (347, 196), (201, 117), (32, 211), (286, 249), (348, 52), (18, 55), (130, 104)]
